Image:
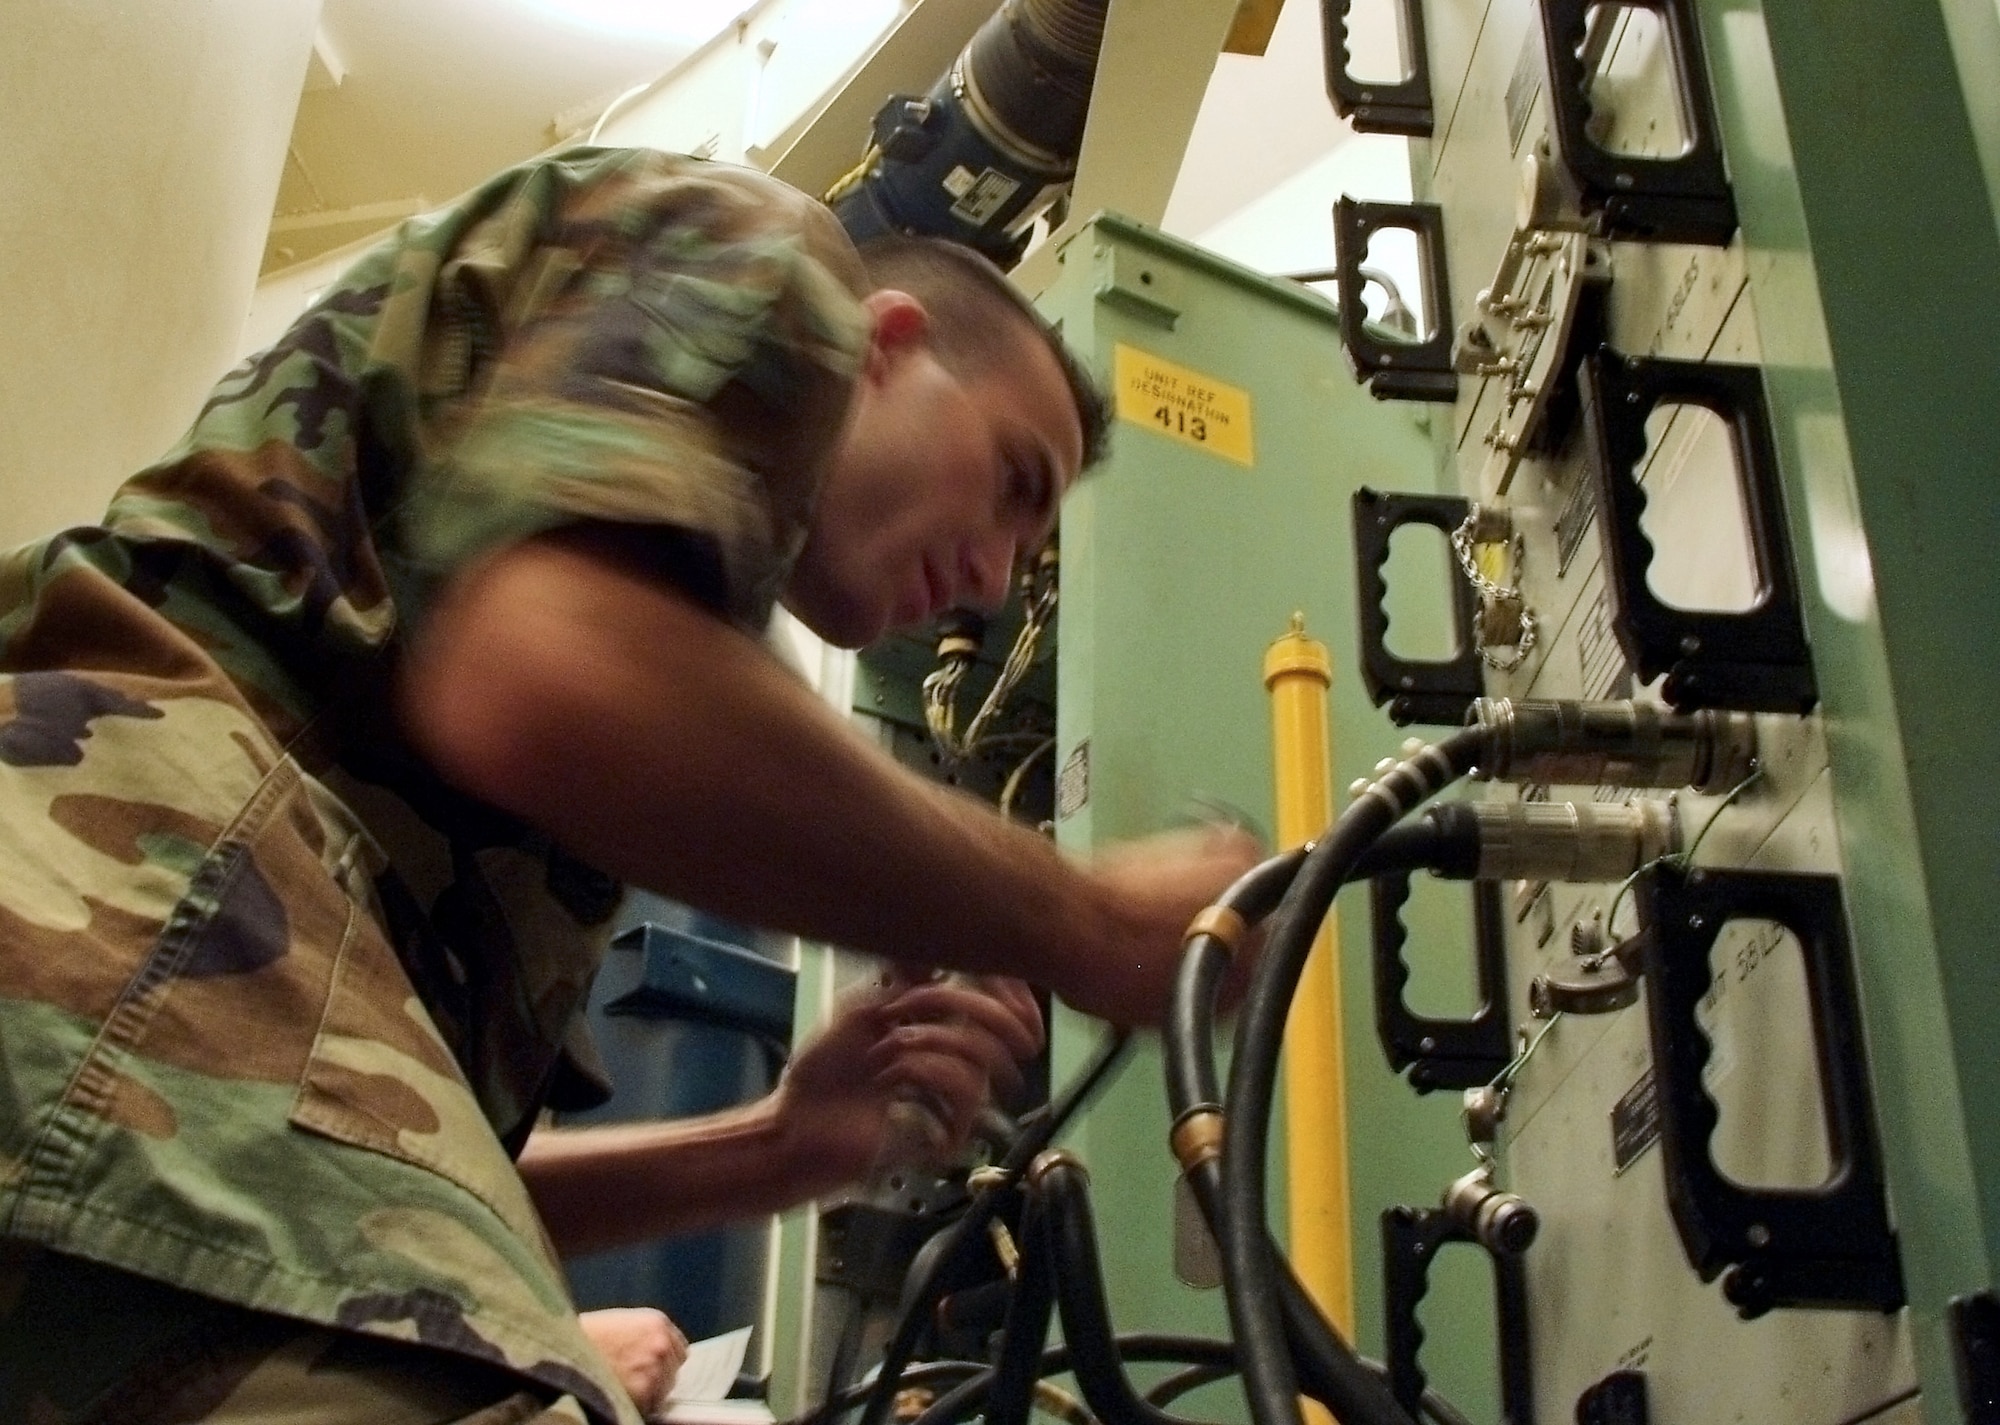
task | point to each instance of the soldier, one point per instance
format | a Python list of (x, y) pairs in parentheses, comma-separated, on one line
[(321, 758)]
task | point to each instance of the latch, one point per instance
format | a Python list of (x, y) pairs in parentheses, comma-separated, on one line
[(1489, 554), (1372, 106), (1824, 1246), (1440, 1053), (1684, 198), (1418, 368), (1755, 660), (1416, 690)]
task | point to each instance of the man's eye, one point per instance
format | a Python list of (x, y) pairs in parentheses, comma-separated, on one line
[(1022, 490)]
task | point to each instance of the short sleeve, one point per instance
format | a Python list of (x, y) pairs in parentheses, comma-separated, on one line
[(675, 349)]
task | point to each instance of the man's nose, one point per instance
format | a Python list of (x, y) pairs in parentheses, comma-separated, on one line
[(987, 567)]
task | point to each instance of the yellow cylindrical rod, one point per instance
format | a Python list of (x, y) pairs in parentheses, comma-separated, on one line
[(1298, 673)]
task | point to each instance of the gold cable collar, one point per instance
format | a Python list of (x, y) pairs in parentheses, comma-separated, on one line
[(1222, 923), (1197, 1137)]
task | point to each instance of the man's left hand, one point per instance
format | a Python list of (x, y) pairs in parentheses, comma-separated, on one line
[(950, 1044)]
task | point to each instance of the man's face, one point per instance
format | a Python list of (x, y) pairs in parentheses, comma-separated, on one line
[(941, 483)]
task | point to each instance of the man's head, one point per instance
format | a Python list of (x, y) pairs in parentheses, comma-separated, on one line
[(970, 421)]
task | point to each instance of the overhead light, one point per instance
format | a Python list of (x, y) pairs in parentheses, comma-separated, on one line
[(690, 22)]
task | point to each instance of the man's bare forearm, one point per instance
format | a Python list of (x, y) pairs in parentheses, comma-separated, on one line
[(614, 1185), (673, 751)]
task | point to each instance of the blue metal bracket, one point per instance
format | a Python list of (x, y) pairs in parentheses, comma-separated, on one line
[(691, 978)]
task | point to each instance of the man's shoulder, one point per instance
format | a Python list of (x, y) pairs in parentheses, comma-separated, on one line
[(695, 204)]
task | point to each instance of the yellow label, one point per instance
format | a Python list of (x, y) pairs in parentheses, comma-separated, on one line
[(1185, 405)]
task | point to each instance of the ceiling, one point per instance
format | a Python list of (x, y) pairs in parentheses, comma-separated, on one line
[(411, 102)]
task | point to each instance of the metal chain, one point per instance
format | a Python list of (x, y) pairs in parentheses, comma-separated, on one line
[(1461, 544)]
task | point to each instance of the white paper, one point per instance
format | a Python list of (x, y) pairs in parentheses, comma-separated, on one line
[(711, 1367), (715, 1412)]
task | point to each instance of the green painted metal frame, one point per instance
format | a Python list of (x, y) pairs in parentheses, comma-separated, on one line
[(1876, 277)]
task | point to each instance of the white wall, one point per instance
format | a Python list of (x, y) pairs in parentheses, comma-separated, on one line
[(143, 141), (1269, 156)]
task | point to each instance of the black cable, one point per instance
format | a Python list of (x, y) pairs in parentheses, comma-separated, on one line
[(1178, 1384), (848, 1397), (964, 1401), (1037, 1130), (1253, 1283), (1355, 1389), (1212, 1361), (1011, 1395), (1328, 1368), (1064, 1190), (1188, 1040)]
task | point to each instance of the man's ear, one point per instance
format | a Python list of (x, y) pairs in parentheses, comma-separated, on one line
[(900, 327)]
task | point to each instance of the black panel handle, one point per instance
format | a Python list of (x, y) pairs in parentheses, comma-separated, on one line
[(1825, 1246), (1440, 1053), (1437, 691), (1755, 660), (1371, 107), (1395, 370), (1685, 198), (1411, 1239)]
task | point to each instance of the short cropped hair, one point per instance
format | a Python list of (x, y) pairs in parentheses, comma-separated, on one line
[(971, 302)]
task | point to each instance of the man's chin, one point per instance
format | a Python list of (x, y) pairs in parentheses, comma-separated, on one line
[(850, 629)]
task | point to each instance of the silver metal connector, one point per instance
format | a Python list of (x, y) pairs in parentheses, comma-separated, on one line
[(1571, 841), (1620, 744), (1504, 1222)]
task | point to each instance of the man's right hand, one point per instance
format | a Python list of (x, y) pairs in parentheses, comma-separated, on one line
[(1152, 888), (644, 1347)]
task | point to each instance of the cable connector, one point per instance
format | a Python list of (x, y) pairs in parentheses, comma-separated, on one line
[(1502, 1222), (1577, 842), (1493, 840), (1620, 744)]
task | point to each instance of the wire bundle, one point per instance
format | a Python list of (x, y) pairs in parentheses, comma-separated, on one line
[(957, 654)]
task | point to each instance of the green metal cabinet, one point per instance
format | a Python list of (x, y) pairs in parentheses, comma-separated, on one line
[(1181, 563)]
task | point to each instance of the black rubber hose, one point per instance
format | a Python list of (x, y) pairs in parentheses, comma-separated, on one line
[(964, 1401), (1033, 64), (920, 1299), (1011, 1395), (1354, 1390), (1210, 1359), (1064, 1189), (1182, 1381), (1445, 839), (1252, 1283), (1189, 1038), (928, 1373), (1328, 1368)]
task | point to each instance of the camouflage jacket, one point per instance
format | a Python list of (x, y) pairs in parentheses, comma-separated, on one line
[(275, 1005)]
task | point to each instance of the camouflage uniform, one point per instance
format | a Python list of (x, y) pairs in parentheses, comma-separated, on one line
[(276, 1006)]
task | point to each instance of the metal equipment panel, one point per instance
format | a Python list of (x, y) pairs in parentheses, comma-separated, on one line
[(1610, 1286)]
